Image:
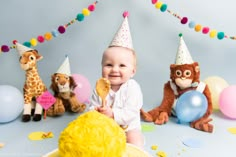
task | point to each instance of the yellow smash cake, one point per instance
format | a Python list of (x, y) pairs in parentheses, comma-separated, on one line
[(94, 135)]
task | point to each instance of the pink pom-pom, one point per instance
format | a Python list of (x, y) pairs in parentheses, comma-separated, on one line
[(184, 20), (205, 30), (91, 7), (40, 39), (125, 14), (5, 48), (154, 1), (61, 29)]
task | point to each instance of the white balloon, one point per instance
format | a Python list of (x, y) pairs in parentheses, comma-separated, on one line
[(11, 103)]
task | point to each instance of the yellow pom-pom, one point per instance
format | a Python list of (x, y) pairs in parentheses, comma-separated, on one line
[(48, 36), (213, 33), (85, 12), (198, 28), (92, 134), (158, 5), (33, 42)]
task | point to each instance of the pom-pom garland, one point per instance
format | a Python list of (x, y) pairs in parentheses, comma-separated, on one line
[(54, 33), (192, 24)]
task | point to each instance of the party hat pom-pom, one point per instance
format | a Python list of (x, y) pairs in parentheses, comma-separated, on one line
[(213, 33), (220, 35), (40, 39), (154, 1), (125, 14), (205, 30), (14, 42), (191, 24), (163, 7), (48, 36), (5, 48), (80, 17), (33, 42), (198, 28), (86, 12), (61, 29), (180, 34), (27, 44), (55, 33), (184, 20), (91, 7)]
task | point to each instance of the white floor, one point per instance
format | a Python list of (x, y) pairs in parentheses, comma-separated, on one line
[(168, 138)]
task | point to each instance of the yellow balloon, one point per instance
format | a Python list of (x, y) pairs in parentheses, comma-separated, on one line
[(216, 85)]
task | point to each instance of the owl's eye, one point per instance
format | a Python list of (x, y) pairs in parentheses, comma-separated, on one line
[(178, 73), (187, 73)]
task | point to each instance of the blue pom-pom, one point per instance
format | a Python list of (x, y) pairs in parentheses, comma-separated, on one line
[(80, 17), (220, 35), (55, 33), (191, 24), (163, 7)]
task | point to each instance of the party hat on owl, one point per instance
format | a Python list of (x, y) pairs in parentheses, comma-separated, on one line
[(22, 49), (123, 37), (183, 56), (65, 67)]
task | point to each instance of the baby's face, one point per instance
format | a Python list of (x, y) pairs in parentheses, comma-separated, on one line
[(118, 66)]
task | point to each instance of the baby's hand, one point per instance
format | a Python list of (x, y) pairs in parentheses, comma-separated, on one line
[(106, 110)]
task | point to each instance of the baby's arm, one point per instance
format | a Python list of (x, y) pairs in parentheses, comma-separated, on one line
[(127, 108)]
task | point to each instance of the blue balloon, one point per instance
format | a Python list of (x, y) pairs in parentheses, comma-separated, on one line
[(11, 103), (191, 106)]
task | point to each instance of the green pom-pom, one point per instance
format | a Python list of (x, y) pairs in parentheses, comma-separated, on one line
[(163, 8), (220, 35), (180, 34), (27, 44), (80, 17)]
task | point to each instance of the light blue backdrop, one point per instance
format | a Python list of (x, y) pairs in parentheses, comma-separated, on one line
[(155, 38)]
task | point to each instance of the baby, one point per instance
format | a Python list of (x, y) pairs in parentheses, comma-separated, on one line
[(125, 99)]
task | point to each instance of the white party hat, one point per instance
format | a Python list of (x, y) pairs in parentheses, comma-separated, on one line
[(123, 37), (21, 48), (65, 67), (183, 56)]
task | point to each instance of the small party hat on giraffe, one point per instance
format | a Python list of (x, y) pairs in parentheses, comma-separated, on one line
[(123, 37), (65, 67), (21, 48), (183, 56)]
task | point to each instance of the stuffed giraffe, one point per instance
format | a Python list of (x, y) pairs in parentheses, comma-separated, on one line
[(34, 85)]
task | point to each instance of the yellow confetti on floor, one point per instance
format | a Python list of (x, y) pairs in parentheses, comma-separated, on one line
[(154, 147), (232, 130), (40, 135), (161, 154)]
